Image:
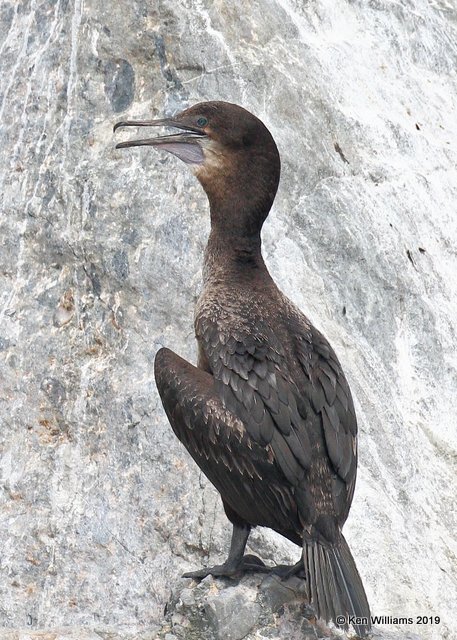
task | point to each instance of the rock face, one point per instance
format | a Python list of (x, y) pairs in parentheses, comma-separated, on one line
[(251, 608), (102, 509), (265, 606)]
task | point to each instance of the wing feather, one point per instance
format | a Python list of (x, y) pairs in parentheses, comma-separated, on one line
[(327, 387), (294, 399), (234, 462)]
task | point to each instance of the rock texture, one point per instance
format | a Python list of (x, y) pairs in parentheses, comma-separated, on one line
[(100, 265)]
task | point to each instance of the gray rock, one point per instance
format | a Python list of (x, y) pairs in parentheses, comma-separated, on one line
[(79, 633), (231, 614), (119, 84), (255, 606), (219, 609), (275, 593), (100, 265)]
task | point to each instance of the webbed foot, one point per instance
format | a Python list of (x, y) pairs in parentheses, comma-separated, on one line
[(249, 563), (285, 571)]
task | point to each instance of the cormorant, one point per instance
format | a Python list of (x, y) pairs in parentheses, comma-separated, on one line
[(267, 414)]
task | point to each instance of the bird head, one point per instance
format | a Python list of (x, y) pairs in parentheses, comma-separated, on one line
[(230, 151)]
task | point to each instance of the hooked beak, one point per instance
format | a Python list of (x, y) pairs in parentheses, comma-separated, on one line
[(184, 145)]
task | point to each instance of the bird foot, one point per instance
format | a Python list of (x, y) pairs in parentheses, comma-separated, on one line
[(285, 571), (249, 563)]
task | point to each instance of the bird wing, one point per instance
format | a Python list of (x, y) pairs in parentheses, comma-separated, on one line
[(327, 389), (291, 413), (242, 470), (253, 384)]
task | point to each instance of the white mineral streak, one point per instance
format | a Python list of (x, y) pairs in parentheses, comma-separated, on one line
[(100, 265)]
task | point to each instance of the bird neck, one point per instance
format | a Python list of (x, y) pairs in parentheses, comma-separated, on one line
[(233, 256), (241, 186)]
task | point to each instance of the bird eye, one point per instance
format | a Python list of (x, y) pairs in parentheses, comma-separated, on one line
[(202, 121)]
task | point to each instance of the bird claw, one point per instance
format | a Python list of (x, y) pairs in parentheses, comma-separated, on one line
[(218, 571), (250, 563)]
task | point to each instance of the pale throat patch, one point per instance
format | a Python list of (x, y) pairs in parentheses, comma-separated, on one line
[(214, 158)]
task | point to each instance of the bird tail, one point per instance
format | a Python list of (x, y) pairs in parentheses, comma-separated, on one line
[(334, 585)]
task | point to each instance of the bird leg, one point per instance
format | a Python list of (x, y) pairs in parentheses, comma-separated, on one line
[(237, 563)]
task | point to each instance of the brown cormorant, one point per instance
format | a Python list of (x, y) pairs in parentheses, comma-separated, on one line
[(267, 414)]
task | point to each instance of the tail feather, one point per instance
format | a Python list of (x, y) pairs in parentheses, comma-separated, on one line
[(331, 594), (334, 585), (321, 594)]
